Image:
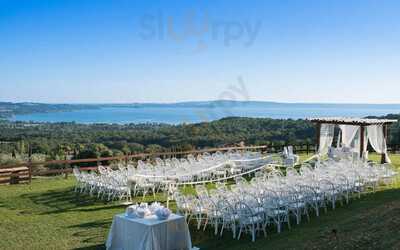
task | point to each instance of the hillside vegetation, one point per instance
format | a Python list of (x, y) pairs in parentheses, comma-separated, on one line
[(57, 140)]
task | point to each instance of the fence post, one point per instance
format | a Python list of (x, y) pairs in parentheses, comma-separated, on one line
[(66, 171), (30, 170), (30, 163), (66, 168)]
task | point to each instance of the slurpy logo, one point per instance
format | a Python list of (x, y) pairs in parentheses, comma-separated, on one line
[(199, 29)]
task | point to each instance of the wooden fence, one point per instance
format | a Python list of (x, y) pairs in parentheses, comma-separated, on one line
[(14, 175)]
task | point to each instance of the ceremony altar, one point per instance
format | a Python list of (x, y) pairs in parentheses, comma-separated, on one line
[(354, 135)]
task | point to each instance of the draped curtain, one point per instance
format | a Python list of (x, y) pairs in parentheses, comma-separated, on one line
[(326, 138), (339, 140), (355, 143), (377, 140), (351, 138), (348, 134)]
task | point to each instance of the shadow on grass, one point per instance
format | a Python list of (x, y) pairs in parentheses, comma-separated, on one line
[(91, 233), (65, 200), (93, 224), (96, 247)]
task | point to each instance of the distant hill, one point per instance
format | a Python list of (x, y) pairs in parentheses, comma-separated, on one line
[(227, 103), (9, 109)]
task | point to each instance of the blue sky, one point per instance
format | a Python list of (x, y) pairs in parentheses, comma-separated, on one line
[(86, 51)]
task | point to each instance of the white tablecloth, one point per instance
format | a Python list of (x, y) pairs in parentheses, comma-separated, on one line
[(149, 233)]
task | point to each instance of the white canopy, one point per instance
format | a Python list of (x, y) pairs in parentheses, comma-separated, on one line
[(354, 134)]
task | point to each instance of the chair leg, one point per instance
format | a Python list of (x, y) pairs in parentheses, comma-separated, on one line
[(240, 232), (205, 224), (307, 214), (288, 221), (222, 229), (298, 216), (198, 221), (253, 233)]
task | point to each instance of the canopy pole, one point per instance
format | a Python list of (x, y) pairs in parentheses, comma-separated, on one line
[(362, 129), (385, 135)]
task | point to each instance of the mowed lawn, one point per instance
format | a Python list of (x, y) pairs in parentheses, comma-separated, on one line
[(48, 215)]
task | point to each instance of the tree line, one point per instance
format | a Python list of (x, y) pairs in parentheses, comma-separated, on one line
[(60, 140)]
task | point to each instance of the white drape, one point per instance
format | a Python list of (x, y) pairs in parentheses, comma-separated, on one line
[(355, 143), (377, 140), (349, 132), (326, 138), (339, 140)]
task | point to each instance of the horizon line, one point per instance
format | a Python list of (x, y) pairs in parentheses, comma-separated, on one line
[(193, 101)]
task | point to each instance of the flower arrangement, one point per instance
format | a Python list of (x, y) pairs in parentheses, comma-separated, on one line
[(143, 209), (163, 213)]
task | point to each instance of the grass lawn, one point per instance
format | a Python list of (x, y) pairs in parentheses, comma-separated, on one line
[(48, 215)]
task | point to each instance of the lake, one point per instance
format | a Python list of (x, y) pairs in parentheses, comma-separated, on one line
[(192, 114)]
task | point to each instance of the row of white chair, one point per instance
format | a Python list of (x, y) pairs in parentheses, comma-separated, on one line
[(202, 167), (108, 184), (275, 198), (147, 178)]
